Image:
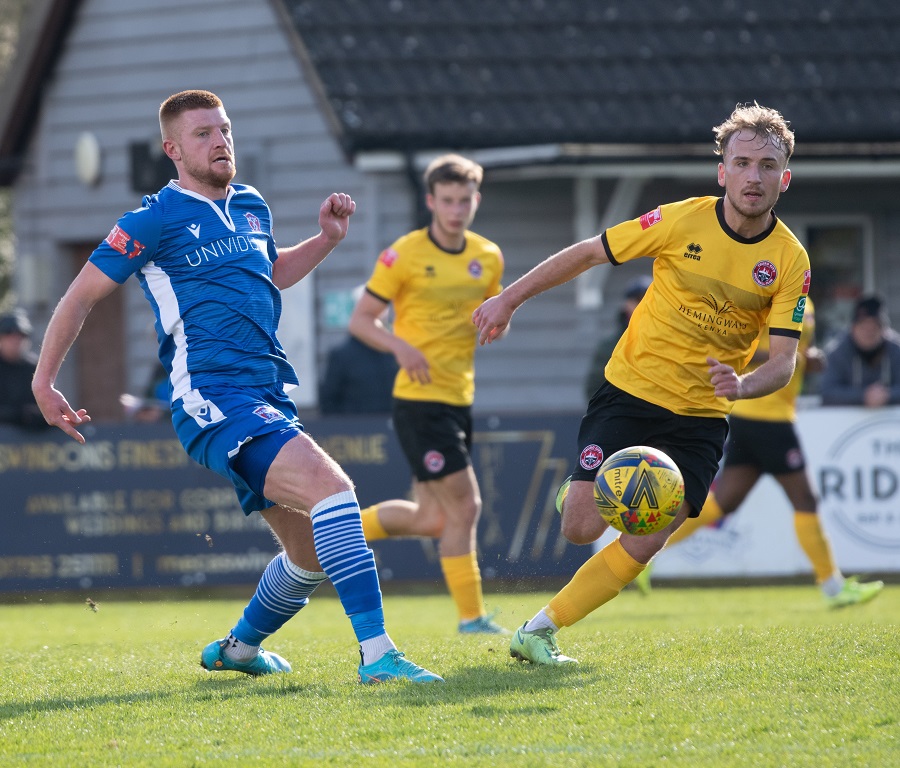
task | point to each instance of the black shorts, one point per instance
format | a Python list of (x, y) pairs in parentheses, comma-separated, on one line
[(772, 447), (616, 420), (436, 438)]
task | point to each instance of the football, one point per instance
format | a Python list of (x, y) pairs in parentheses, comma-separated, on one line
[(639, 490)]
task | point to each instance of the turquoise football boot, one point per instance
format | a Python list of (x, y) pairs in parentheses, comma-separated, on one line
[(213, 659), (393, 666)]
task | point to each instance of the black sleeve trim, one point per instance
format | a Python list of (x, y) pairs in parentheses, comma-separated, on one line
[(375, 295), (612, 259), (784, 332)]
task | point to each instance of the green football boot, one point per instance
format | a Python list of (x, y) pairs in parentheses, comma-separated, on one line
[(854, 592), (538, 647)]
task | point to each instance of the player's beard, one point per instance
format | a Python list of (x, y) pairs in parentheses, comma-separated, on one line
[(737, 202), (212, 176)]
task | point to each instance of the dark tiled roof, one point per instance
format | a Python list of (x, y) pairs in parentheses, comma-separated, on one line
[(414, 74)]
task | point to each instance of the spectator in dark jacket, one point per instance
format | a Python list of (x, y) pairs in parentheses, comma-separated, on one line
[(358, 379), (17, 403), (604, 349), (864, 365)]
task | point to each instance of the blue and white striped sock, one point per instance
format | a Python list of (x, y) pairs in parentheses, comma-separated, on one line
[(349, 563), (283, 590)]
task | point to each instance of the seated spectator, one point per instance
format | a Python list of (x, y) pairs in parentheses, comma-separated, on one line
[(17, 404), (864, 365)]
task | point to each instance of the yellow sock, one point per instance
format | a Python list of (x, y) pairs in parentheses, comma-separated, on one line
[(815, 544), (597, 582), (709, 514), (372, 528), (464, 582)]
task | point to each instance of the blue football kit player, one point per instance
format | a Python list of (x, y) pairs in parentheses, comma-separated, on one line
[(204, 254)]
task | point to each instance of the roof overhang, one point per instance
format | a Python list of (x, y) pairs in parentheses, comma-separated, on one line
[(686, 161)]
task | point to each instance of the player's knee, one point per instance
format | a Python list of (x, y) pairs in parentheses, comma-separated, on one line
[(433, 527), (808, 504), (468, 513), (430, 520), (580, 528)]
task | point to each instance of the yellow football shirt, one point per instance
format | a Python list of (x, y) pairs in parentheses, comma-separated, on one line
[(781, 405), (434, 293), (712, 293)]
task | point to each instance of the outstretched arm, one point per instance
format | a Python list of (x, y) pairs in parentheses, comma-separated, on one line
[(492, 317), (296, 262), (86, 289)]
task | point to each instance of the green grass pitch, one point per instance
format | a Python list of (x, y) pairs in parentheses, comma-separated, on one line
[(748, 676)]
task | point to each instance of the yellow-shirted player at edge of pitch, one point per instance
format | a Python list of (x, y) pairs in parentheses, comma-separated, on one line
[(435, 278)]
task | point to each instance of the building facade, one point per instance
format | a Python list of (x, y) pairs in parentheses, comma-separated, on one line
[(358, 99)]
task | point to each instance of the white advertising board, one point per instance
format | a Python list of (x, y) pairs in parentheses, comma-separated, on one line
[(853, 458)]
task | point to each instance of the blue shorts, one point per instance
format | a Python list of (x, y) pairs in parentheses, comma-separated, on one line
[(237, 432)]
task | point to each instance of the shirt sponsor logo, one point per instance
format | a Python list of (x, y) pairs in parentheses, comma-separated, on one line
[(224, 247), (388, 257), (118, 239), (764, 273), (650, 218), (719, 319), (799, 309), (591, 457), (434, 461)]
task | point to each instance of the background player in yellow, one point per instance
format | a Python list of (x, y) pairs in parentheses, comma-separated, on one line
[(435, 277), (723, 268), (762, 439)]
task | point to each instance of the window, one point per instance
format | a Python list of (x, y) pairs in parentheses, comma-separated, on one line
[(842, 261)]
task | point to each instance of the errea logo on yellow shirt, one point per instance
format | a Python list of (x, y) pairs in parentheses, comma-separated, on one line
[(693, 251)]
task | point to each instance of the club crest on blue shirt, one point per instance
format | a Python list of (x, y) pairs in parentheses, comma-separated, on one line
[(253, 221)]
